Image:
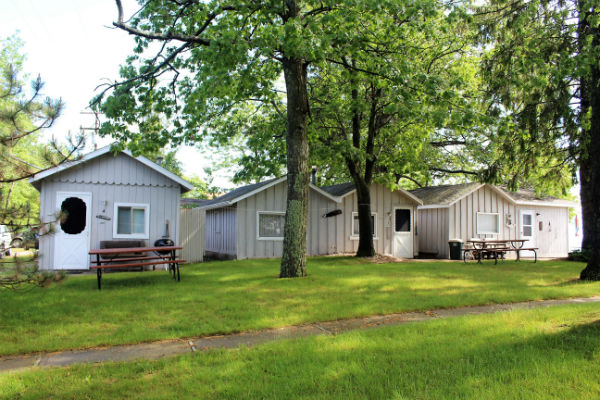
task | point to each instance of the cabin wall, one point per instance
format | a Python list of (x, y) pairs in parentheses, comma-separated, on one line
[(270, 199), (383, 202), (221, 231), (163, 202), (460, 222), (552, 239), (332, 235), (463, 215), (432, 232)]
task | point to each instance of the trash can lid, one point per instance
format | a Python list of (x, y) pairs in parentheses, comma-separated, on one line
[(455, 241)]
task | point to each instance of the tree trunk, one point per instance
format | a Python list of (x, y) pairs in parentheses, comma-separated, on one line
[(590, 191), (589, 165), (293, 260), (365, 240)]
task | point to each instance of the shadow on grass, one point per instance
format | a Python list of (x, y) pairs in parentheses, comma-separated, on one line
[(478, 358), (221, 297)]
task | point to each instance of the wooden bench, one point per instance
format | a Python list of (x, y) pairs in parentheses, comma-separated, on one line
[(130, 259)]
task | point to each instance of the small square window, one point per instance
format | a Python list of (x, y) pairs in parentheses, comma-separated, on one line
[(131, 221), (488, 223), (270, 225)]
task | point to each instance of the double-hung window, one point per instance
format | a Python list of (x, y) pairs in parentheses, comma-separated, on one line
[(131, 221), (355, 225), (270, 225)]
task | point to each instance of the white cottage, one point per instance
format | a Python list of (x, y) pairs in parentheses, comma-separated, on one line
[(105, 197), (475, 210), (248, 221)]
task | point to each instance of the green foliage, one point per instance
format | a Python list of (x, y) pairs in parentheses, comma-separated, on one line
[(23, 115), (203, 189), (531, 70)]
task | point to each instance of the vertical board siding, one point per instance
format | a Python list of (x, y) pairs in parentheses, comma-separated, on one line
[(383, 202), (552, 240), (324, 235), (110, 179), (192, 234), (432, 234), (163, 201), (459, 221), (220, 231)]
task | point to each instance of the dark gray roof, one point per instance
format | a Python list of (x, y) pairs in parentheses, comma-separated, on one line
[(529, 195), (339, 189), (238, 192), (444, 194), (193, 202)]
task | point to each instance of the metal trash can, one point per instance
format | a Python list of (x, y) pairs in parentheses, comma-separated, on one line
[(455, 249)]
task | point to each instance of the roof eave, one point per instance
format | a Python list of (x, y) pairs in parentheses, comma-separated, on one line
[(337, 199)]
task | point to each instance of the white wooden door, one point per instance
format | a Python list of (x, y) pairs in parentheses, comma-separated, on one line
[(402, 245), (72, 235), (527, 222)]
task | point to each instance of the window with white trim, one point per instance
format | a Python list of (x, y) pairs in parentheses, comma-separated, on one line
[(131, 221), (488, 223), (355, 224), (270, 225)]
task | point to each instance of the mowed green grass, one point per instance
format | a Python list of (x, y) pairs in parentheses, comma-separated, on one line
[(224, 297), (551, 353)]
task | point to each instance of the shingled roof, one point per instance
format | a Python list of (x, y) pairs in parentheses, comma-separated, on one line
[(339, 189), (238, 192), (445, 195)]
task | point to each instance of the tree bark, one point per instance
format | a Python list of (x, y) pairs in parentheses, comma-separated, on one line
[(362, 184), (365, 239), (589, 165), (293, 260)]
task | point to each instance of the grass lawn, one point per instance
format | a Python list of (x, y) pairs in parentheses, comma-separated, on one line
[(551, 353), (221, 297)]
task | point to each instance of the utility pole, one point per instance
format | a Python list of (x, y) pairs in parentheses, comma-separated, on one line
[(94, 129)]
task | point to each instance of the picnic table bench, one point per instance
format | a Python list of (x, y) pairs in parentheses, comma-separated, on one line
[(497, 248), (109, 258)]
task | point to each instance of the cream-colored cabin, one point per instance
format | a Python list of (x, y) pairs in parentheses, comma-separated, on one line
[(476, 211), (248, 222), (104, 196)]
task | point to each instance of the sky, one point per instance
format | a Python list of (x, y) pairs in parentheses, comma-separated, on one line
[(71, 45)]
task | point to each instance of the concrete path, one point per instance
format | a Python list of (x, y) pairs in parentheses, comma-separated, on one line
[(168, 348)]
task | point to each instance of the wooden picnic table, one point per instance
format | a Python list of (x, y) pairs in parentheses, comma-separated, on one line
[(496, 247), (128, 257)]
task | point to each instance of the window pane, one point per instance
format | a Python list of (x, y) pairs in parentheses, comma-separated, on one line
[(402, 221), (356, 225), (124, 220), (487, 223), (527, 219), (527, 231), (270, 225), (139, 220)]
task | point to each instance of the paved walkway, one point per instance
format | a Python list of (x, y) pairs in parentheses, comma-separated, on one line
[(168, 348)]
